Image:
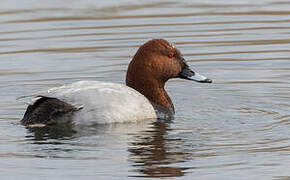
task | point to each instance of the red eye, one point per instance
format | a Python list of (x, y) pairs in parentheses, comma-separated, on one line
[(170, 55)]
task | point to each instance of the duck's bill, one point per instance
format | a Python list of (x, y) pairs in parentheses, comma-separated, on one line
[(187, 73)]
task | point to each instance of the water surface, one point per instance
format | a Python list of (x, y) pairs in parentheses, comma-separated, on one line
[(236, 128)]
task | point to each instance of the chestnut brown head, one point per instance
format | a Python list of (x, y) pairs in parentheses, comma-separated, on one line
[(158, 60)]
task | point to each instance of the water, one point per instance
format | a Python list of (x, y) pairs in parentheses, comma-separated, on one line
[(236, 128)]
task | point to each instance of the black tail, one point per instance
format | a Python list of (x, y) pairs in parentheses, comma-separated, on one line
[(46, 110)]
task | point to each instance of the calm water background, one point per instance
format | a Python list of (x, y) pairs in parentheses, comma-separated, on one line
[(236, 128)]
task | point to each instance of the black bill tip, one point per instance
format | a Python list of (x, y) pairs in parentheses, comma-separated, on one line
[(206, 81)]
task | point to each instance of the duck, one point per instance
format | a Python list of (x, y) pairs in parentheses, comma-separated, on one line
[(95, 102)]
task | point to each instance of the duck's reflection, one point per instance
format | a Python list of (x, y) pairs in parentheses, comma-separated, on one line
[(153, 151), (154, 155), (60, 131)]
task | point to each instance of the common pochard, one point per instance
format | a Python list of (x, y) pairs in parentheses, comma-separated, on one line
[(94, 102)]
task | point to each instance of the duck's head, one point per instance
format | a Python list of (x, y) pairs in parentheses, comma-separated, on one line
[(156, 62)]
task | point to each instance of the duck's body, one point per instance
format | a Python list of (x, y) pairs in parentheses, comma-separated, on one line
[(98, 102), (93, 102)]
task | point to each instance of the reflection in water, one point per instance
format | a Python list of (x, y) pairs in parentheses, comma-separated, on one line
[(153, 154), (238, 126), (60, 131)]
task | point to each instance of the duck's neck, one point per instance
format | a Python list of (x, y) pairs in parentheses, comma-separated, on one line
[(154, 92)]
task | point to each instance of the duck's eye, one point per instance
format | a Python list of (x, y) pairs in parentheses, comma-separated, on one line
[(170, 55)]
